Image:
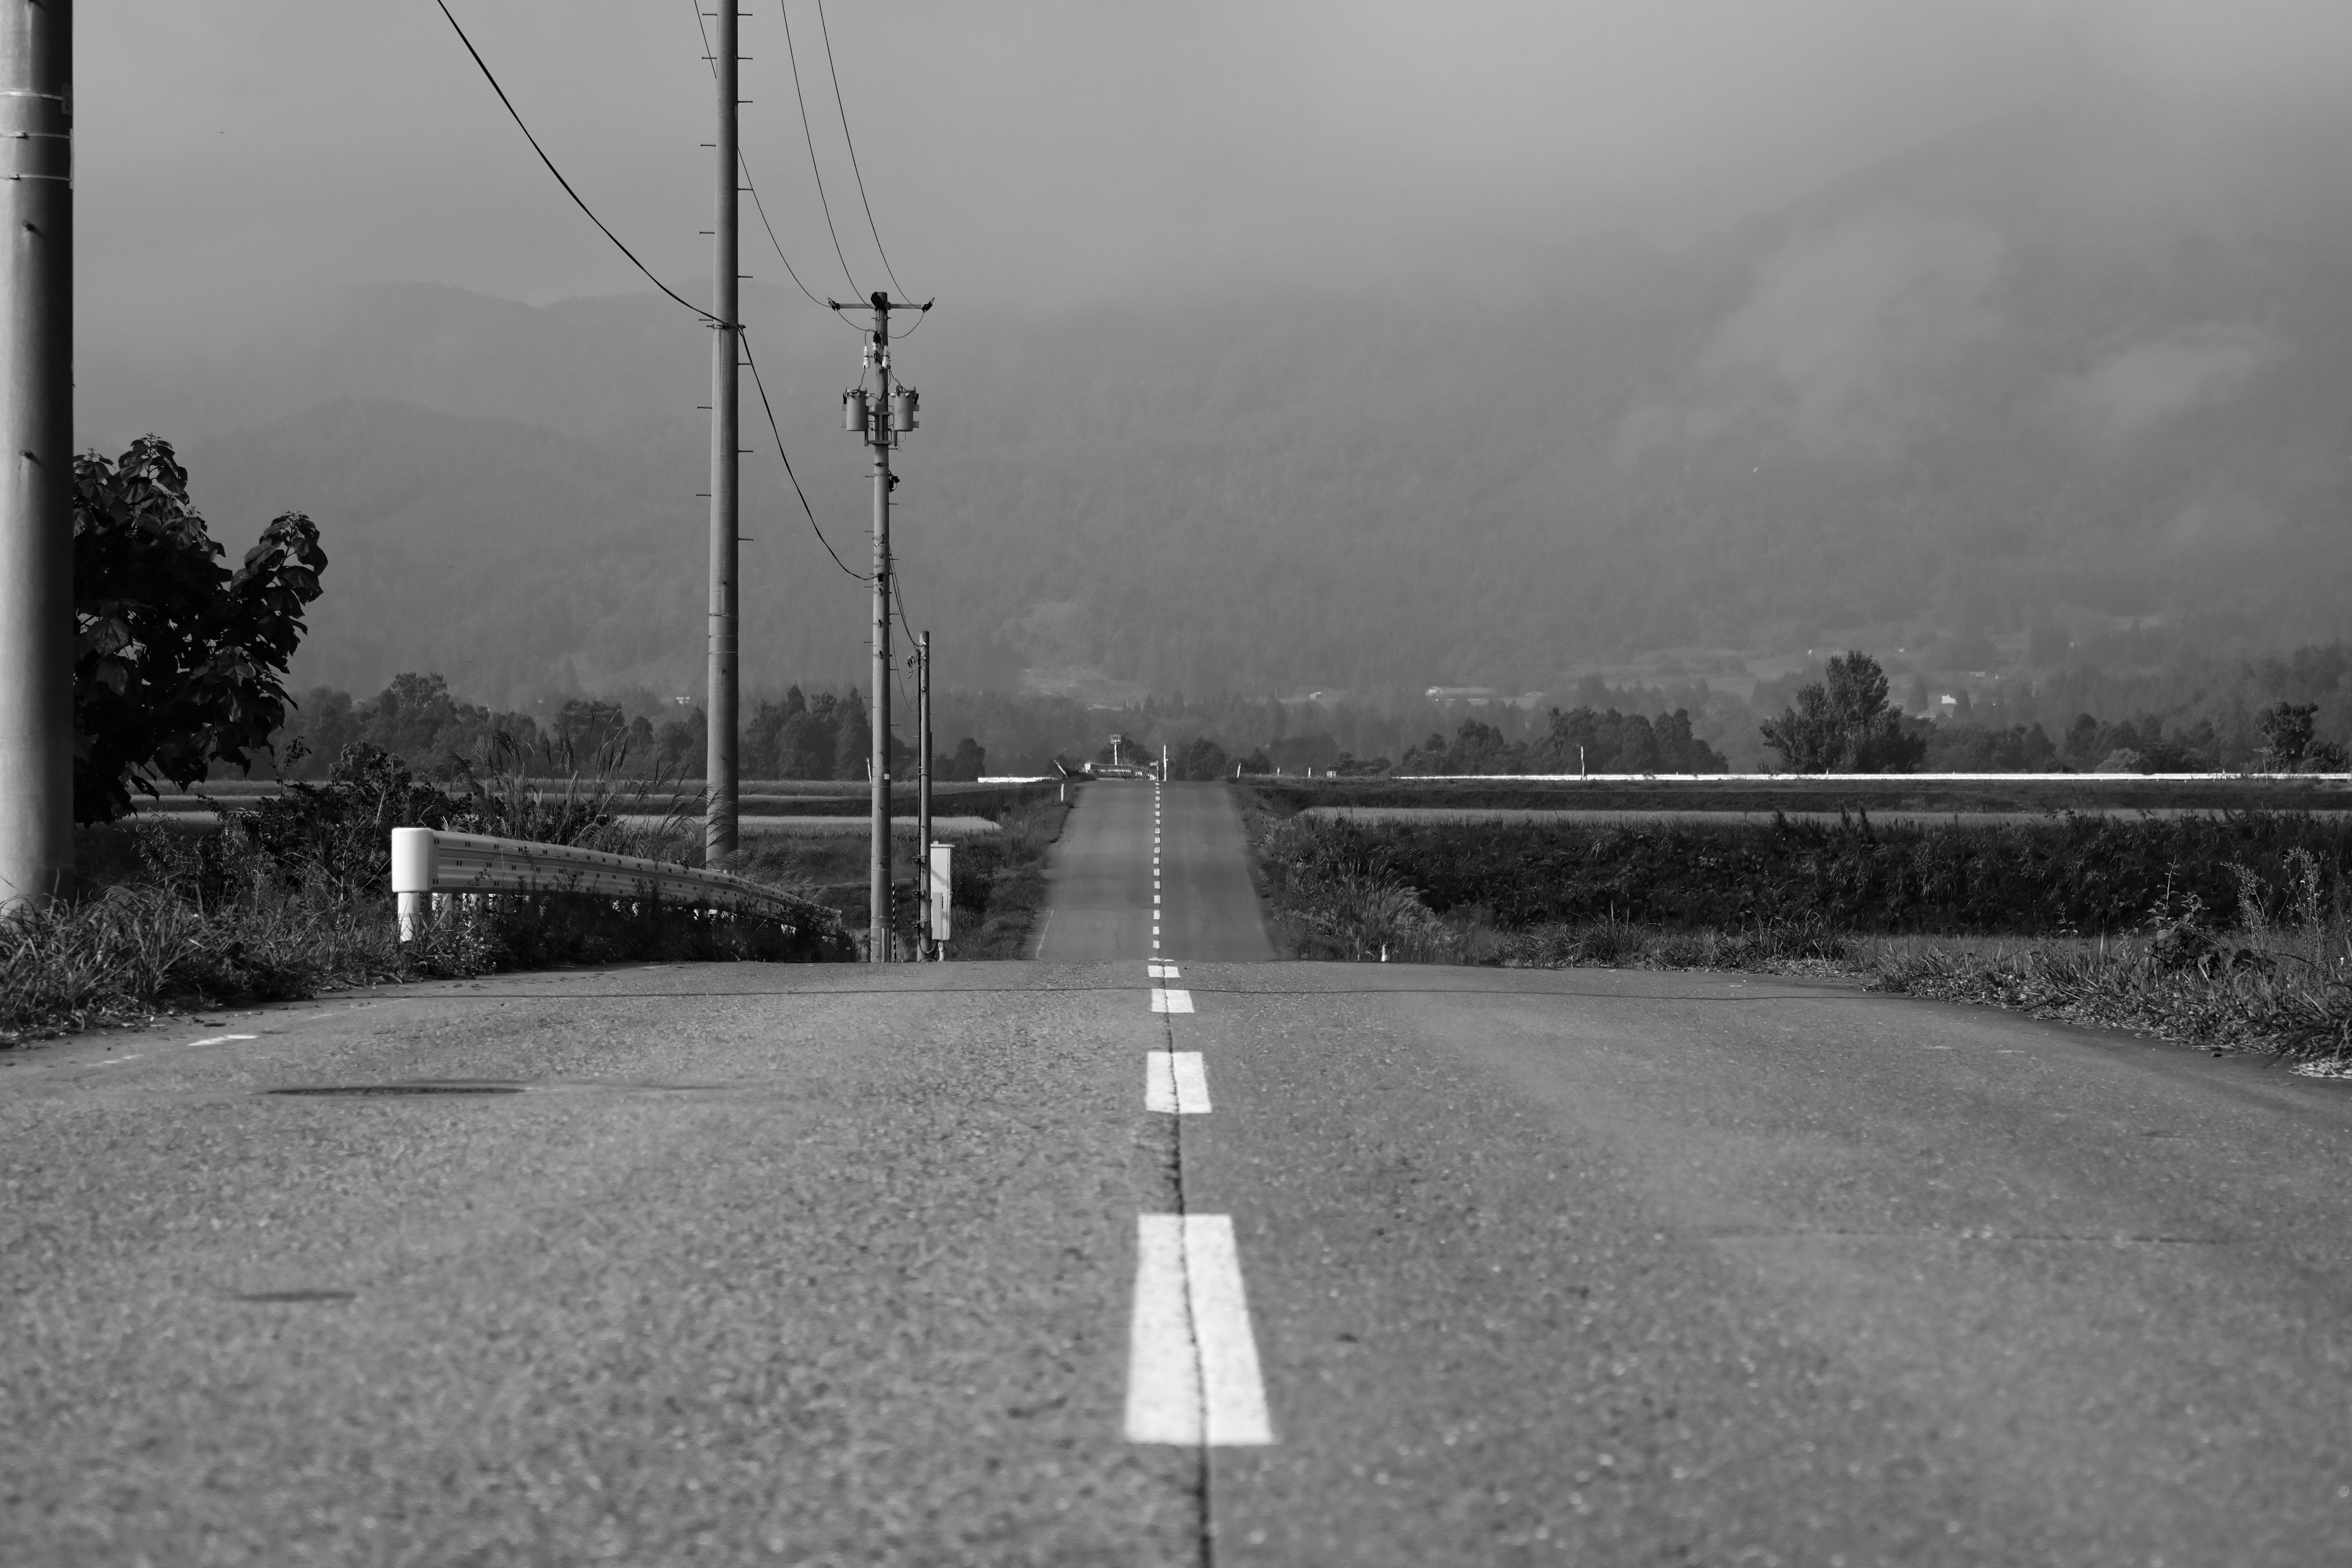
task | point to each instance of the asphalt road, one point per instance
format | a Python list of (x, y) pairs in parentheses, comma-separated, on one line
[(1105, 878), (830, 1264)]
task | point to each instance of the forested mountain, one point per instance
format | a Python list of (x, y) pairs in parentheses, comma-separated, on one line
[(2082, 370)]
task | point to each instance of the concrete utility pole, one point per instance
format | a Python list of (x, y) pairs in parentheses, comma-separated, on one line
[(725, 498), (881, 418), (36, 624), (878, 883), (923, 790)]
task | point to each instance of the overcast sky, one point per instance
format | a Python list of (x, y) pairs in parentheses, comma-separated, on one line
[(235, 154)]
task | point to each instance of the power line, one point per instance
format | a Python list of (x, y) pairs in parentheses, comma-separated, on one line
[(749, 183), (744, 337), (901, 606), (809, 137), (754, 364), (761, 209), (560, 179), (850, 142)]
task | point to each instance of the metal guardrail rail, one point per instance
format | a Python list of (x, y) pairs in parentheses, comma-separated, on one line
[(427, 861)]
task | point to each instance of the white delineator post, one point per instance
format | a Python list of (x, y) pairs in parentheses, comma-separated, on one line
[(36, 617), (412, 879), (942, 859), (923, 791)]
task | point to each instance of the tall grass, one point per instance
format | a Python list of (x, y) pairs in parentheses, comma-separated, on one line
[(291, 896), (130, 951), (996, 888), (2063, 875), (2272, 970), (513, 796)]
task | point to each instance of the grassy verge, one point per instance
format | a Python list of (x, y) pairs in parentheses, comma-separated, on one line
[(2253, 992), (1871, 791), (135, 951), (291, 898), (996, 888), (2060, 875), (2274, 975)]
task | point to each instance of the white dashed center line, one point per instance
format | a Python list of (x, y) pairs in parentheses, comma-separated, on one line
[(1192, 1372), (1160, 971), (1171, 999), (1175, 1082)]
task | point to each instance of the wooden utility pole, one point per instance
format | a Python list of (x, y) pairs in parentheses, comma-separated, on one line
[(726, 496), (36, 620)]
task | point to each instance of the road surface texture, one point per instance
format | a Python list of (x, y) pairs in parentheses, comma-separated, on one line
[(1073, 1262)]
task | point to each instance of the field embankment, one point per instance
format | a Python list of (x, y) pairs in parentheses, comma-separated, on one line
[(1877, 794), (2222, 928)]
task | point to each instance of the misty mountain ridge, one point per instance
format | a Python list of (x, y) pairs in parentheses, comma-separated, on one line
[(2087, 367)]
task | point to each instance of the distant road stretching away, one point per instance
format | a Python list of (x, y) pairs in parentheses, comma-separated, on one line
[(1108, 866), (1110, 1258)]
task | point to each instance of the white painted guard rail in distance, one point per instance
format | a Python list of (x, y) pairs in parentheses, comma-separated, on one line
[(426, 861)]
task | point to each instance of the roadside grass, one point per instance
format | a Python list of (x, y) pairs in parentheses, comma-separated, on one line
[(290, 897), (2272, 975), (1808, 793), (996, 886)]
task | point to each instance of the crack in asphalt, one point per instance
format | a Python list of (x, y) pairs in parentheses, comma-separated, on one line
[(1206, 1503)]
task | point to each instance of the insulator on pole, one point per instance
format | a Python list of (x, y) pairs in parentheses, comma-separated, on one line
[(853, 410)]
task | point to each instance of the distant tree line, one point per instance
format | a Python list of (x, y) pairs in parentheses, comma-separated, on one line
[(1845, 723), (1844, 720), (1579, 740), (417, 719)]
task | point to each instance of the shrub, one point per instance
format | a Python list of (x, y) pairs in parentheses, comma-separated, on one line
[(178, 661)]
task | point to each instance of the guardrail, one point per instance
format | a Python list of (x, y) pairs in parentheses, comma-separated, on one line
[(428, 862)]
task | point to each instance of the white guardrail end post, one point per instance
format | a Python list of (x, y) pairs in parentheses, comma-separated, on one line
[(412, 878)]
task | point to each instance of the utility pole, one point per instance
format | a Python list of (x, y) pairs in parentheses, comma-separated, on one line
[(881, 421), (923, 790), (37, 622), (877, 881), (725, 498)]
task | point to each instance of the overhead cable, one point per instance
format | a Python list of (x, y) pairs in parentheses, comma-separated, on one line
[(560, 179), (792, 57), (745, 338), (761, 209), (901, 606), (752, 185), (852, 144)]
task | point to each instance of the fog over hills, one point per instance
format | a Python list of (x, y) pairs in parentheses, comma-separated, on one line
[(2088, 363)]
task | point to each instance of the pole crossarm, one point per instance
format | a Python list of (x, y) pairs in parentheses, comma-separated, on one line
[(881, 303)]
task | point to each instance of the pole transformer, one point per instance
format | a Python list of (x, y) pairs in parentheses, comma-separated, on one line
[(923, 793), (36, 617), (726, 496)]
